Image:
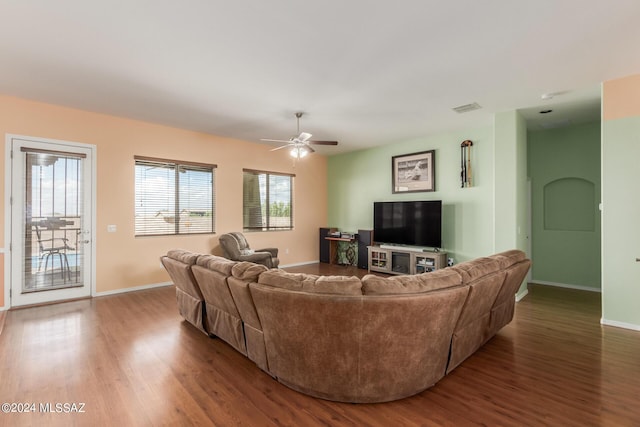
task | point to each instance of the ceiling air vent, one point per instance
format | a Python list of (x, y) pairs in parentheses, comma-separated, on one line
[(466, 108)]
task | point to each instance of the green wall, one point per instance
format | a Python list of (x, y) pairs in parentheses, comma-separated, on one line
[(620, 221), (359, 178), (564, 168), (511, 181), (510, 175)]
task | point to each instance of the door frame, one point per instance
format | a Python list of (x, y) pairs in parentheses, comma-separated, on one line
[(8, 180)]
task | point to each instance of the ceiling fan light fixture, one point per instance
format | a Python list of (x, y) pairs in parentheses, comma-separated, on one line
[(299, 152), (299, 146)]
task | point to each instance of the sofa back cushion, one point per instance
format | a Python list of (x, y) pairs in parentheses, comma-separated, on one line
[(216, 263), (248, 271), (302, 282), (214, 288), (178, 264), (183, 256), (284, 280), (476, 268), (336, 285), (426, 282), (508, 258), (244, 303), (485, 278), (515, 275), (516, 265)]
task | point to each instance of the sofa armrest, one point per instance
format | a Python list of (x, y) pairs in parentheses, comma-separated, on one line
[(258, 257), (272, 251)]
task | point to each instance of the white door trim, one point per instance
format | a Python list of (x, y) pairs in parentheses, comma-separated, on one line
[(7, 222), (8, 216)]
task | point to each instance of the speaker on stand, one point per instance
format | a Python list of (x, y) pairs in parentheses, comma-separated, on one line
[(365, 238), (324, 245)]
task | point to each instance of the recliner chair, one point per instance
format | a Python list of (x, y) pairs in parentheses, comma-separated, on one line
[(236, 248)]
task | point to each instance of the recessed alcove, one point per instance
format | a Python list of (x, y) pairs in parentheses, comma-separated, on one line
[(569, 205)]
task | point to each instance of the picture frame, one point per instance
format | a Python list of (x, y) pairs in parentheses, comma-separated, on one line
[(414, 172)]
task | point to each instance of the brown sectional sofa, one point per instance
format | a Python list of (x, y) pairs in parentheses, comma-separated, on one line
[(223, 318), (178, 264), (347, 339)]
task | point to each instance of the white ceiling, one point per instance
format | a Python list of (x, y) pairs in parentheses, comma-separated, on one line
[(365, 72)]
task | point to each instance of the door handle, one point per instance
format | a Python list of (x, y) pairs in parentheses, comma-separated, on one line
[(86, 241)]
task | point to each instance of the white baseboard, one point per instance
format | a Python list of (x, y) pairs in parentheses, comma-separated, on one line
[(298, 264), (133, 289), (617, 324), (523, 293), (565, 285)]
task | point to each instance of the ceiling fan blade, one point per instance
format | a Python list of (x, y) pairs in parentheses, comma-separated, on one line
[(311, 150), (281, 147), (323, 142), (275, 140)]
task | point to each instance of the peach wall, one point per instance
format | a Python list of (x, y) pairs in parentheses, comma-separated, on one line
[(125, 261), (1, 281), (623, 98)]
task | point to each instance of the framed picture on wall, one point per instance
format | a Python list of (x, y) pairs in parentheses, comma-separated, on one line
[(413, 172)]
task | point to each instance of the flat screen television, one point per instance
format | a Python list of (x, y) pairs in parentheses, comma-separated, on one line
[(415, 223)]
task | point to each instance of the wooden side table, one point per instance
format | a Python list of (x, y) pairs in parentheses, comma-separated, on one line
[(334, 250)]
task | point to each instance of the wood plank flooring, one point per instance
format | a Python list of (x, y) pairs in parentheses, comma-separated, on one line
[(3, 315), (132, 361)]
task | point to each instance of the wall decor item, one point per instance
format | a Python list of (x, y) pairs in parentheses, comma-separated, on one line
[(465, 164), (414, 172)]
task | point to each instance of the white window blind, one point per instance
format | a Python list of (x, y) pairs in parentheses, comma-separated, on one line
[(267, 201), (173, 197)]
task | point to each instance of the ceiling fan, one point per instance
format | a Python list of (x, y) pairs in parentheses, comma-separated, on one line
[(300, 145)]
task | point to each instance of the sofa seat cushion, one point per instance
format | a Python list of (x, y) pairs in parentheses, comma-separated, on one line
[(410, 284), (336, 285), (216, 263)]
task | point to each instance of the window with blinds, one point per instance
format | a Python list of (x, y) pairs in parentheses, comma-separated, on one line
[(173, 197), (267, 202)]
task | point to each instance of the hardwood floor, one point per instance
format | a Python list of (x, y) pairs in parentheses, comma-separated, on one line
[(131, 360), (3, 315)]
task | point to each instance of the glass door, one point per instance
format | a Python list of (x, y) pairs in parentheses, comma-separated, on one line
[(51, 221)]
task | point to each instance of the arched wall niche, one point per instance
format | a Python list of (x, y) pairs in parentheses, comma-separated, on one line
[(570, 205)]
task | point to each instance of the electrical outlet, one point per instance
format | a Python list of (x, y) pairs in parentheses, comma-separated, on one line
[(286, 251), (450, 262)]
